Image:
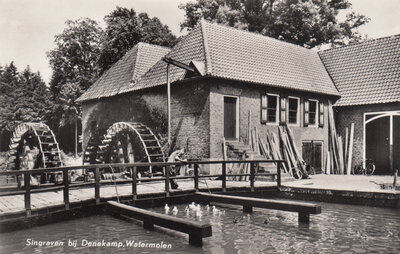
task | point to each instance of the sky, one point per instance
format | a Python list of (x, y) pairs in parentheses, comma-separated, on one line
[(28, 27)]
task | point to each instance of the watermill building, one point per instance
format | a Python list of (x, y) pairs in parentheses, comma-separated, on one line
[(238, 80)]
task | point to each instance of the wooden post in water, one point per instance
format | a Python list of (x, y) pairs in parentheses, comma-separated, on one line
[(223, 176), (252, 177), (27, 183), (278, 171), (134, 183), (167, 180), (66, 189), (97, 185), (196, 177)]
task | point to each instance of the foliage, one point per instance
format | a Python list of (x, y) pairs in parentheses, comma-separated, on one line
[(73, 61), (308, 23), (125, 28), (24, 97)]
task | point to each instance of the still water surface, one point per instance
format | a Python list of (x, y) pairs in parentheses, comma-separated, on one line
[(339, 229)]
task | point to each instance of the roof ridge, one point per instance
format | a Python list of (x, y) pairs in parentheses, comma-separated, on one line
[(152, 45), (205, 47), (257, 34), (360, 42)]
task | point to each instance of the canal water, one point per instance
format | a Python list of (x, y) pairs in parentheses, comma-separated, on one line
[(339, 229)]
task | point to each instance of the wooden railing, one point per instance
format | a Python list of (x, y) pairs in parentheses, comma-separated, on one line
[(96, 169)]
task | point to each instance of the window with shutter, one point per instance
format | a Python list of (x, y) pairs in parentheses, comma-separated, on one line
[(283, 111), (293, 110), (272, 108), (269, 108), (311, 113), (306, 113), (321, 114), (264, 108)]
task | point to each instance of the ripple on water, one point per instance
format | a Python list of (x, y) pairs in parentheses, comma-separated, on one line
[(339, 229)]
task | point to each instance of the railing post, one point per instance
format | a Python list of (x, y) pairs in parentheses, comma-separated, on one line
[(97, 185), (27, 183), (196, 177), (167, 180), (278, 171), (66, 189), (134, 183), (252, 177), (223, 176)]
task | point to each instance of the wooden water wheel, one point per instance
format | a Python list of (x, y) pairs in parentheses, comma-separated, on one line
[(124, 142), (33, 145)]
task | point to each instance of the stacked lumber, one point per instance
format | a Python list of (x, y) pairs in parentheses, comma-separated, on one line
[(340, 153)]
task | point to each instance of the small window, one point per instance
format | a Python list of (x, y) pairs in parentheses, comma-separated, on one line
[(293, 110), (313, 109), (272, 108), (269, 108)]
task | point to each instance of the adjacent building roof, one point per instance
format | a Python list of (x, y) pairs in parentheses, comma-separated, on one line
[(239, 55), (367, 72), (126, 71)]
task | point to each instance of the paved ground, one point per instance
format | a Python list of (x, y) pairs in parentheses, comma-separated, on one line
[(347, 182)]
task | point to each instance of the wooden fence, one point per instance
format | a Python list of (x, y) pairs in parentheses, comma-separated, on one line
[(134, 181)]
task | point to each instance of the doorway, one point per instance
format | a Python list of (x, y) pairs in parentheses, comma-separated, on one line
[(382, 134), (231, 118)]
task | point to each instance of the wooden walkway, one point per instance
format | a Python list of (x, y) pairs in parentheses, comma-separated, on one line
[(15, 203)]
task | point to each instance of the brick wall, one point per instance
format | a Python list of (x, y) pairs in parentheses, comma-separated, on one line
[(355, 114), (249, 100), (189, 114)]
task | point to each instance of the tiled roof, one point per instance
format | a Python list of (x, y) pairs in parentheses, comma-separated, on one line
[(127, 70), (366, 73), (235, 54)]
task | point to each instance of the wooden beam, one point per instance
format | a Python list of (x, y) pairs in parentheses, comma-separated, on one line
[(181, 65), (350, 153), (169, 105), (304, 209), (196, 230)]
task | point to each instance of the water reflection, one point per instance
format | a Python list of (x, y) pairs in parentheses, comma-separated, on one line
[(339, 229)]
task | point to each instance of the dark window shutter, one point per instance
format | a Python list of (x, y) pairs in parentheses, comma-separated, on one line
[(321, 114), (283, 110), (306, 113)]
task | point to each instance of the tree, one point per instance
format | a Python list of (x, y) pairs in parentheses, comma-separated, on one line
[(76, 54), (308, 23), (24, 97), (74, 63), (125, 28)]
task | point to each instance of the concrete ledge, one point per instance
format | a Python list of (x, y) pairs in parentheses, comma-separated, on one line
[(376, 199)]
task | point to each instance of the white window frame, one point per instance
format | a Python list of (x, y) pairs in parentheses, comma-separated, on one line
[(316, 114), (278, 108), (298, 111), (237, 114)]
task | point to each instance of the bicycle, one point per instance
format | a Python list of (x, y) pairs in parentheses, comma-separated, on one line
[(369, 168)]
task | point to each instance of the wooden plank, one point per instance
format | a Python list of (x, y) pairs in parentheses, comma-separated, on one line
[(350, 155), (223, 177), (66, 189), (302, 208), (196, 230), (296, 152), (97, 185), (27, 183), (346, 148), (340, 153)]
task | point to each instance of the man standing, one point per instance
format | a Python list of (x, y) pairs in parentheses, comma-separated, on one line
[(175, 157)]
